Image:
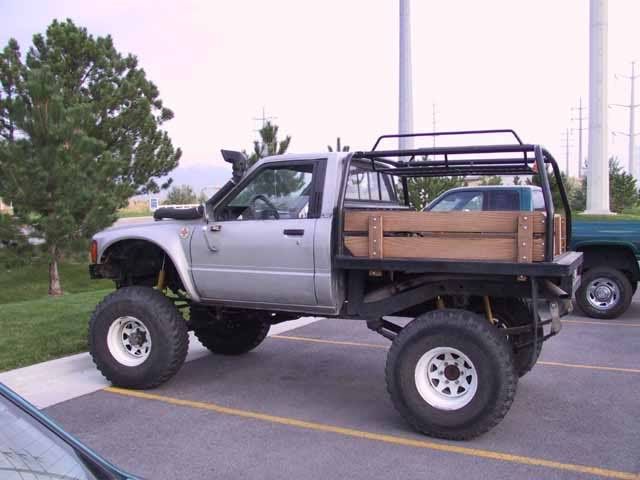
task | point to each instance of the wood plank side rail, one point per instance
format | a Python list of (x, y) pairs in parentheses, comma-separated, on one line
[(502, 236)]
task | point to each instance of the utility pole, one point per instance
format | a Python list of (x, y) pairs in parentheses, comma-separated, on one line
[(566, 144), (598, 171), (264, 119), (433, 123), (580, 128), (405, 94), (633, 164)]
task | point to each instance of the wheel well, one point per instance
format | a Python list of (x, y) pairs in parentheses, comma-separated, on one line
[(614, 256), (139, 262)]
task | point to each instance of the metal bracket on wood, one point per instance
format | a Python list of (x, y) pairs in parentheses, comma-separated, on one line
[(525, 238), (376, 236)]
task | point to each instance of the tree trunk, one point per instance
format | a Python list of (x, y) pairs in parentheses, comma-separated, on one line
[(55, 288)]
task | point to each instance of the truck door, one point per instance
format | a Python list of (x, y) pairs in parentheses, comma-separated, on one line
[(259, 247)]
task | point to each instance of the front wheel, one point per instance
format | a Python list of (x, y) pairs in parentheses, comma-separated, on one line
[(604, 293), (451, 375), (137, 338)]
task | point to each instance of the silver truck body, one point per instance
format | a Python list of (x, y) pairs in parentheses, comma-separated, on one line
[(252, 263)]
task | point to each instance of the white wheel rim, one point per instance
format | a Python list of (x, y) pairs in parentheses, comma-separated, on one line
[(129, 341), (603, 293), (446, 378)]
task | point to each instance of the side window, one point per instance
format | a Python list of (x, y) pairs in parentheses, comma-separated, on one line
[(465, 201), (367, 185), (538, 201), (502, 200), (274, 193)]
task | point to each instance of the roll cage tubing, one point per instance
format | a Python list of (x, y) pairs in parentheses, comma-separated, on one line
[(533, 160)]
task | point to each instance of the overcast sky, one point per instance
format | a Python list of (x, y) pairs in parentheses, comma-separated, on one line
[(329, 68)]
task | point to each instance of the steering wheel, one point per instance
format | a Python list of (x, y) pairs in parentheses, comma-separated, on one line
[(272, 210)]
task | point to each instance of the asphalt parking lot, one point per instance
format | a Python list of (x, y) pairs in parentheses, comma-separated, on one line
[(312, 403)]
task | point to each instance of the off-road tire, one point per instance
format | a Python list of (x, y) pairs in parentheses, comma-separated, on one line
[(490, 354), (514, 312), (234, 334), (167, 328), (616, 276)]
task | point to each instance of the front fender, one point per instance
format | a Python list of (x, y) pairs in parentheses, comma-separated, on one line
[(171, 237)]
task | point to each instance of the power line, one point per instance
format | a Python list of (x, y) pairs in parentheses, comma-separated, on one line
[(264, 119), (580, 129), (433, 123), (567, 144), (633, 165)]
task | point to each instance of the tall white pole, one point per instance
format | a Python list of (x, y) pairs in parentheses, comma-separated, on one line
[(633, 166), (405, 97), (598, 172)]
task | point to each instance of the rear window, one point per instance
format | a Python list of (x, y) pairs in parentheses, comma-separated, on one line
[(504, 200), (367, 185)]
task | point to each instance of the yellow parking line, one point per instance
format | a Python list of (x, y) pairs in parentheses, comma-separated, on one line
[(590, 367), (605, 323), (349, 432), (331, 342), (375, 345)]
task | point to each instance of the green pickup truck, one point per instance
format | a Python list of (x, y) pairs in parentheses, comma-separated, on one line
[(611, 248)]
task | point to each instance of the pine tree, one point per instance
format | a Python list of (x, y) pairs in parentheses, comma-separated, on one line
[(268, 144), (623, 191), (339, 147), (80, 134)]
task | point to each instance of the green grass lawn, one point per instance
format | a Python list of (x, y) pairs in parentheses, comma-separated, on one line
[(32, 281), (37, 330), (134, 213), (35, 327)]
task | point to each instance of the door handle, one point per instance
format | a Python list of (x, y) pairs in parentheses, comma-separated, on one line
[(298, 232), (206, 240)]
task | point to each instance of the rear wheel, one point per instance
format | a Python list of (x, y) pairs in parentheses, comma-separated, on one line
[(513, 312), (604, 293), (230, 333), (451, 374)]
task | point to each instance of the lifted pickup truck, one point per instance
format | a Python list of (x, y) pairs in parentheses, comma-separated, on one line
[(611, 248), (332, 234)]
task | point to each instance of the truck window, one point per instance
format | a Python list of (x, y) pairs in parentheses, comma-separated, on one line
[(274, 193), (538, 200), (459, 201), (367, 185), (502, 200)]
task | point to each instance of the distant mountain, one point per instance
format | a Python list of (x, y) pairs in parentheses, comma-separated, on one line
[(199, 177)]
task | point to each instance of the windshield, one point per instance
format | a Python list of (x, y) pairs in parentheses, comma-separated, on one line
[(458, 201), (29, 450)]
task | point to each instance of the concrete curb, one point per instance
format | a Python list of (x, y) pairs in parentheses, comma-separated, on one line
[(47, 383)]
